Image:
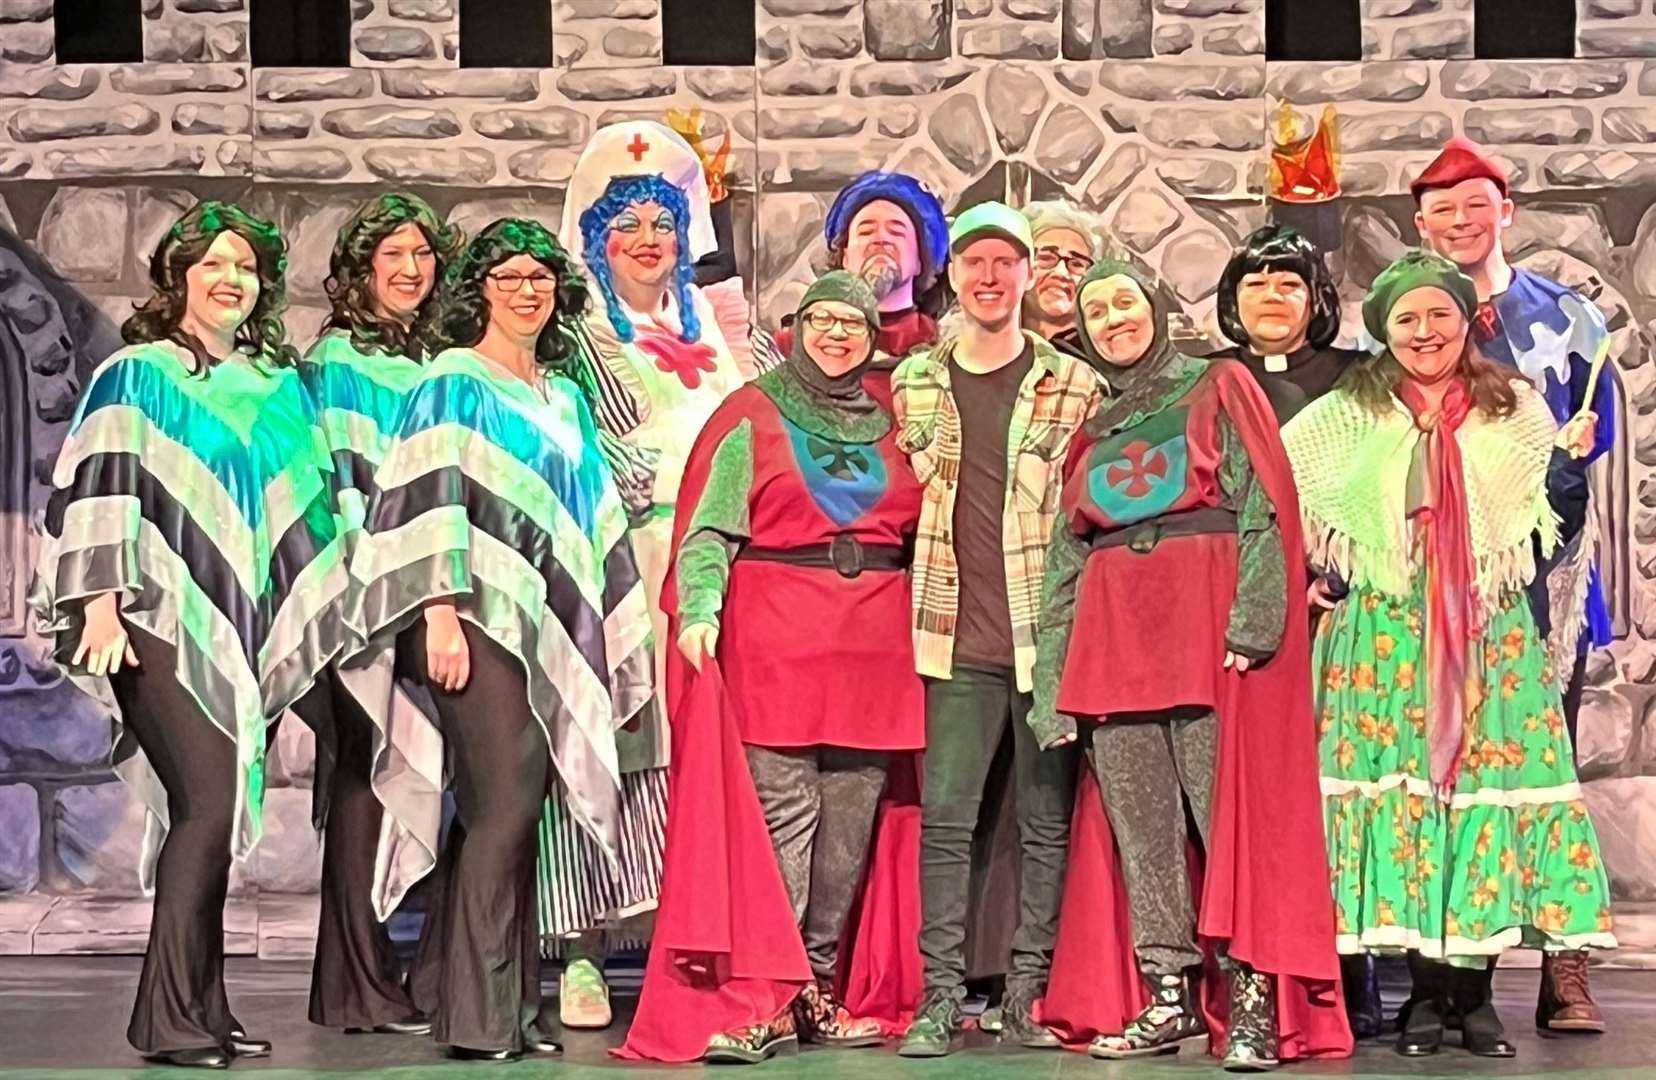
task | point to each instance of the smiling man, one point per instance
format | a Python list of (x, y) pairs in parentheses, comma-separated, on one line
[(888, 229), (1066, 243), (985, 419), (1552, 335)]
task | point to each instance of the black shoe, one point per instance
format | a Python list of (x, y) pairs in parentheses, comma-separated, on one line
[(413, 1025), (466, 1053), (1483, 1035), (1422, 1035), (207, 1057), (243, 1045), (540, 1044), (1018, 1023), (1161, 1027)]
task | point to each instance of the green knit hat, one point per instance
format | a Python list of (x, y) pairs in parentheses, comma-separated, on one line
[(1416, 270), (847, 288)]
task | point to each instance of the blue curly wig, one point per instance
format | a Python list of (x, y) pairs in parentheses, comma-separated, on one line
[(622, 192)]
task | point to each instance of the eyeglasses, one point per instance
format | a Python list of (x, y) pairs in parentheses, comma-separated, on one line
[(1049, 258), (508, 281), (822, 322)]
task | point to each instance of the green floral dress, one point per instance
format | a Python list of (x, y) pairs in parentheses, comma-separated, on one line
[(1513, 858)]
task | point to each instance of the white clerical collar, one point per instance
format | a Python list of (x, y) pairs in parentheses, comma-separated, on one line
[(1276, 365)]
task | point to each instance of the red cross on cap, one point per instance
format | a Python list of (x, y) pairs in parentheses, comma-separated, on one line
[(637, 147)]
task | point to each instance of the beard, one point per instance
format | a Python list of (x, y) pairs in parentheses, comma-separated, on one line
[(881, 275)]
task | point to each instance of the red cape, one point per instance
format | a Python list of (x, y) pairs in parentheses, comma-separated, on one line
[(1263, 890), (726, 951)]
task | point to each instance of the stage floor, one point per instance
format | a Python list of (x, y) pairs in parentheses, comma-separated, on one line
[(63, 1018)]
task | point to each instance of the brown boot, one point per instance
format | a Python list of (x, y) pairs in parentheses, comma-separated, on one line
[(824, 1021), (1565, 1002)]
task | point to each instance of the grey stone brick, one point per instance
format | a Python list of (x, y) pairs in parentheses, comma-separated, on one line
[(203, 118), (630, 44), (125, 160), (721, 83), (554, 124), (1152, 81), (282, 123), (1197, 176), (48, 83), (1014, 98), (879, 80), (1378, 80), (1068, 144), (1541, 125), (388, 43), (799, 79), (1124, 165), (300, 163), (958, 130), (618, 85), (423, 165), (45, 124), (391, 122), (155, 80), (829, 42), (506, 84), (320, 85), (1204, 129), (1011, 41)]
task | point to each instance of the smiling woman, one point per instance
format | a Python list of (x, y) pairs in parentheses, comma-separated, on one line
[(192, 557)]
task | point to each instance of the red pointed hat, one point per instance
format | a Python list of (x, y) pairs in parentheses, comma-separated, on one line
[(1460, 159)]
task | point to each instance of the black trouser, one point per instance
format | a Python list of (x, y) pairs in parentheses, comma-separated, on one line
[(819, 804), (1147, 766), (181, 1004), (356, 980), (967, 716), (489, 977)]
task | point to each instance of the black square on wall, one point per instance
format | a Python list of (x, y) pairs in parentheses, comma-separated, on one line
[(98, 31), (1313, 30), (715, 33), (505, 33), (300, 33), (1523, 29)]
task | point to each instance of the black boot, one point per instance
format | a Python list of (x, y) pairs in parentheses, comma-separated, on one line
[(1253, 1026), (1481, 1030), (1421, 1031), (1362, 995)]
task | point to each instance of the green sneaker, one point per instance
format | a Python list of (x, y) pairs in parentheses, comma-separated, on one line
[(936, 1030)]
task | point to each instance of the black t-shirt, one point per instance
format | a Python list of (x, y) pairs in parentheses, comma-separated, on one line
[(983, 633)]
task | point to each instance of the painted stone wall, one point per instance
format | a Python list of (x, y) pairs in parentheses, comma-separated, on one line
[(1157, 115)]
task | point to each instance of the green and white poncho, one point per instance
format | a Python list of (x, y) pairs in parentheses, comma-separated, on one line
[(494, 492), (359, 397), (204, 501)]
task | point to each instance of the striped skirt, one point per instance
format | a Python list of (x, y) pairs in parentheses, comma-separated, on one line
[(576, 888)]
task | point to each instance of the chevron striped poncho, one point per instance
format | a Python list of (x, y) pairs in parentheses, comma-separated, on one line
[(359, 397), (204, 501), (493, 492)]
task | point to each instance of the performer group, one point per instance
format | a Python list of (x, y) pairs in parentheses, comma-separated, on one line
[(618, 618)]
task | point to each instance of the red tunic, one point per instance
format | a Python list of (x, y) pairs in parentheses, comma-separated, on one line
[(1122, 656), (791, 635), (1262, 888), (726, 951)]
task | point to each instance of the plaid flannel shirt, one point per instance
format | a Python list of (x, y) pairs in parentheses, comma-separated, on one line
[(1059, 393)]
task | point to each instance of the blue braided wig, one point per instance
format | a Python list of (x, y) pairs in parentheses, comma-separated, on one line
[(622, 192)]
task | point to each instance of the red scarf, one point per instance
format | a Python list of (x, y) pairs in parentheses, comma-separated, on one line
[(1436, 506)]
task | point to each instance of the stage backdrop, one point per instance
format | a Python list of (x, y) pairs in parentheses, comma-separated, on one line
[(1160, 115)]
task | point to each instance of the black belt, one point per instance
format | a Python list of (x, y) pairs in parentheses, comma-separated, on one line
[(845, 554), (1145, 535)]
